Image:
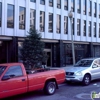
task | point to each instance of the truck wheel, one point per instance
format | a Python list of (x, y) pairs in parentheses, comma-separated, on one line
[(50, 88), (86, 80)]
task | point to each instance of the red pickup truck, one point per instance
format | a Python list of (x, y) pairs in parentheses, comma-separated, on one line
[(14, 80)]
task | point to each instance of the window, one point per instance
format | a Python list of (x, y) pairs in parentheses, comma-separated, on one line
[(99, 30), (2, 69), (78, 27), (0, 13), (95, 6), (94, 29), (84, 28), (33, 0), (50, 22), (22, 15), (99, 10), (90, 8), (89, 29), (59, 4), (72, 5), (58, 24), (65, 25), (14, 71), (42, 21), (10, 16), (84, 7), (42, 2), (51, 3), (32, 18), (65, 4), (73, 26), (79, 6)]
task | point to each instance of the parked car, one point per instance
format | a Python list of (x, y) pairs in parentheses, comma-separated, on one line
[(85, 70), (14, 79)]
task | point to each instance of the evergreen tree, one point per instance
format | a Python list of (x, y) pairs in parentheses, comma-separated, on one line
[(32, 52)]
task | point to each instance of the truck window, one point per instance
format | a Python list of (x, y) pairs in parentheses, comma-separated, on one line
[(14, 71), (2, 69)]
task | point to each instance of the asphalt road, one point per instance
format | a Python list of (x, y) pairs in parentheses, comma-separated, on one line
[(74, 91)]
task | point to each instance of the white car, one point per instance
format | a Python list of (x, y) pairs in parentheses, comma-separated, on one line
[(84, 71)]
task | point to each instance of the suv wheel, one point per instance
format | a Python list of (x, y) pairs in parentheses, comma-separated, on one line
[(86, 80)]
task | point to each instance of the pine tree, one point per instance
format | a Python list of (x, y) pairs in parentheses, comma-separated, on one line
[(32, 51)]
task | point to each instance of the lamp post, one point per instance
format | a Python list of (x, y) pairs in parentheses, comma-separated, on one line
[(73, 53)]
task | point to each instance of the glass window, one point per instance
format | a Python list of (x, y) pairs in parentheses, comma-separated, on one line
[(22, 15), (10, 16), (65, 4), (73, 23), (33, 0), (50, 22), (59, 4), (51, 3), (58, 24), (95, 6), (99, 10), (65, 25), (2, 69), (84, 28), (72, 5), (94, 29), (89, 29), (0, 13), (99, 30), (84, 7), (79, 6), (14, 71), (42, 2), (42, 21), (32, 18), (90, 8), (78, 27)]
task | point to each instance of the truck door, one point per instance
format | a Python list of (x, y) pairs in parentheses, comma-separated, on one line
[(13, 82)]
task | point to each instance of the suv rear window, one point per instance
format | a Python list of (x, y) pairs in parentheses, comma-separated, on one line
[(2, 69)]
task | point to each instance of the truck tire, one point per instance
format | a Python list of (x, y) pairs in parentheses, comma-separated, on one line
[(86, 80), (50, 88)]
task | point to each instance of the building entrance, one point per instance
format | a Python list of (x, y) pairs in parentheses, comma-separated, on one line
[(49, 61)]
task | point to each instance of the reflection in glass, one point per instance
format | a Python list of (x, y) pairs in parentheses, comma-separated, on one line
[(89, 29), (51, 3), (65, 25), (32, 18), (10, 16), (65, 4), (95, 6), (59, 4), (78, 6), (84, 7), (78, 27), (0, 14), (33, 0), (42, 21), (58, 24), (90, 7), (84, 27), (72, 5), (94, 29), (22, 16), (50, 22)]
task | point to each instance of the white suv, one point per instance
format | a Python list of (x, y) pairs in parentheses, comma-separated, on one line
[(84, 71)]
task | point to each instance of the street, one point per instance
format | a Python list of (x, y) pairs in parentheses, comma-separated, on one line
[(74, 91)]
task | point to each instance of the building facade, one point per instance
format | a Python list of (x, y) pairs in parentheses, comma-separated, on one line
[(50, 18)]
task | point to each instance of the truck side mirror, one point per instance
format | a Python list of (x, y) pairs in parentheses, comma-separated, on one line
[(5, 77)]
